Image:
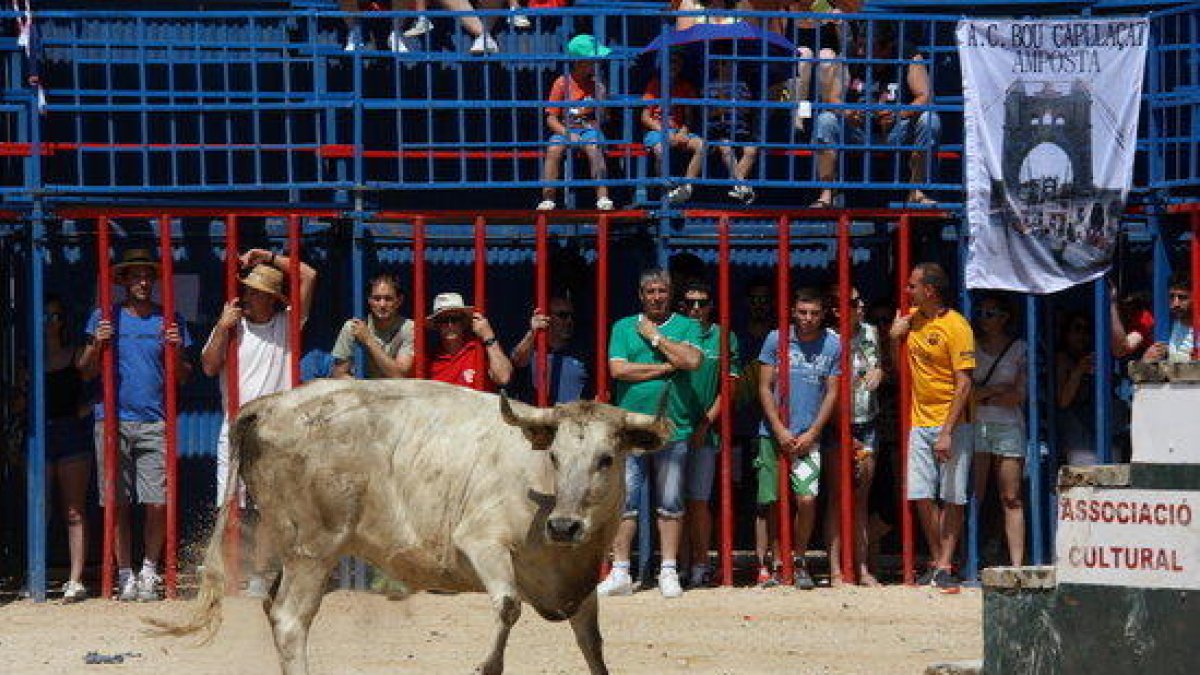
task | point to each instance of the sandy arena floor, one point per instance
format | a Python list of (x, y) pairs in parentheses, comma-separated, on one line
[(850, 630)]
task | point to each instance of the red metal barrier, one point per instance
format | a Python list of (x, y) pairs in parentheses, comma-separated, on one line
[(170, 404), (541, 273), (233, 524), (481, 362), (296, 306), (783, 296), (421, 354), (109, 386), (846, 452), (903, 269), (724, 318), (602, 391)]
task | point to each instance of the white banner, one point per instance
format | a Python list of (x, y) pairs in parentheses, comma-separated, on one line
[(1050, 113), (1135, 538)]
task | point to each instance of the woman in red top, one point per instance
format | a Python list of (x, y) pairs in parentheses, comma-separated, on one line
[(468, 353)]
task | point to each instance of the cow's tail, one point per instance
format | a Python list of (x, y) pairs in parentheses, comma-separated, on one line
[(206, 612)]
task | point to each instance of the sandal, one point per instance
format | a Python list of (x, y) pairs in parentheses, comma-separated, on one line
[(823, 203), (920, 199)]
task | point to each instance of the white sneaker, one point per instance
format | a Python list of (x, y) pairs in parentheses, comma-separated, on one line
[(668, 583), (484, 44), (546, 205), (604, 204), (354, 41), (618, 582), (519, 21), (147, 587), (73, 591), (743, 193), (129, 589), (396, 42), (680, 194), (420, 27), (256, 586)]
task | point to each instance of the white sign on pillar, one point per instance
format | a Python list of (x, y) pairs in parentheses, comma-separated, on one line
[(1134, 538)]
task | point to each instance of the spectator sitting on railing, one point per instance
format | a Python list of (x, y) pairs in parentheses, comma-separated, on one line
[(729, 125), (677, 132), (821, 38), (881, 83), (354, 29), (686, 22), (579, 124), (386, 336), (1181, 342), (257, 322), (423, 25)]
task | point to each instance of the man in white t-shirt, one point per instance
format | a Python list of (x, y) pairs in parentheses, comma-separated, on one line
[(258, 321)]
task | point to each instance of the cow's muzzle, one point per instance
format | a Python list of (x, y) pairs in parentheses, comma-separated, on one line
[(564, 530)]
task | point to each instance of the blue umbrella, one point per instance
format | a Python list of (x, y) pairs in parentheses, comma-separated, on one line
[(739, 39)]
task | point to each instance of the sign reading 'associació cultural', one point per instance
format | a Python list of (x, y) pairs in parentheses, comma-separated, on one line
[(1136, 538)]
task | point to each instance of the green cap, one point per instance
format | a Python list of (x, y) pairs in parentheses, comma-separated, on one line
[(586, 47)]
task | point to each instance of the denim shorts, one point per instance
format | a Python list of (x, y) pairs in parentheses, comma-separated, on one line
[(668, 467), (586, 135), (701, 470), (997, 438), (927, 477), (654, 138)]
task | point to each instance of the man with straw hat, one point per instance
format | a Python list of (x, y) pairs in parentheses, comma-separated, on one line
[(467, 353), (258, 320), (138, 334)]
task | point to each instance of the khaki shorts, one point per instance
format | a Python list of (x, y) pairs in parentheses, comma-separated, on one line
[(142, 455)]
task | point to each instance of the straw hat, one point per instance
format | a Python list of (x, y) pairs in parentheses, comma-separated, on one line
[(134, 257), (449, 303), (267, 279)]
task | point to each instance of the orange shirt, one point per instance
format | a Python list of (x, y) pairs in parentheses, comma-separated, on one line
[(937, 348), (567, 88), (680, 88)]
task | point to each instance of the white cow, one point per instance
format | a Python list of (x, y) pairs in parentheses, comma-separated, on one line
[(438, 486)]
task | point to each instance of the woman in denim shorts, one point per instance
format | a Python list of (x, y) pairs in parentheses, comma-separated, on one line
[(999, 395)]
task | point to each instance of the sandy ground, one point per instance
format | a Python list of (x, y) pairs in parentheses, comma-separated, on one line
[(848, 630)]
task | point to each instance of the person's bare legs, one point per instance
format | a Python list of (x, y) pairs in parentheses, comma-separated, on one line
[(862, 494), (1009, 474), (833, 515), (551, 169), (670, 530), (930, 517), (473, 25), (745, 165), (121, 537), (73, 478), (623, 542), (695, 165), (951, 520), (725, 152), (806, 516), (156, 531), (764, 532), (599, 168)]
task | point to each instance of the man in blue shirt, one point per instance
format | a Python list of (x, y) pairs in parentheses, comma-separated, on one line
[(138, 335), (1181, 340), (568, 379), (814, 366)]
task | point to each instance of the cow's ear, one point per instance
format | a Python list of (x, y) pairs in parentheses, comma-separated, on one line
[(640, 441), (540, 436)]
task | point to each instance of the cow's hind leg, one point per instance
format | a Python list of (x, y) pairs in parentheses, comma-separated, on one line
[(494, 566), (301, 585), (586, 624)]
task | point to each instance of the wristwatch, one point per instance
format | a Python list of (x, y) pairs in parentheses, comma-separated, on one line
[(656, 340), (490, 341)]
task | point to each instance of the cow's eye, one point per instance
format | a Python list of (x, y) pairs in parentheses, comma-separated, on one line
[(604, 462), (554, 460)]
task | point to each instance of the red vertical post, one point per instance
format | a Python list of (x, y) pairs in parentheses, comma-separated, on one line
[(845, 404), (480, 267), (109, 384), (1196, 284), (170, 404), (541, 273), (602, 391), (421, 359), (783, 373), (903, 268), (233, 524), (724, 318), (296, 308)]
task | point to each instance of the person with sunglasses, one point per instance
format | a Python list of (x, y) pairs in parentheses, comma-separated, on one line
[(569, 380), (999, 424), (704, 385), (468, 353), (867, 375), (1181, 341)]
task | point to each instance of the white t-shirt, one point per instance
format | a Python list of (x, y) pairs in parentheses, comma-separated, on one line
[(264, 359), (1006, 372)]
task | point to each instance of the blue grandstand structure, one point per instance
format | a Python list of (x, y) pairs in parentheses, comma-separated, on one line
[(200, 110)]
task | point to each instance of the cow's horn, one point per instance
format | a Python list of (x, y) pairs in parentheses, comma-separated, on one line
[(528, 416), (641, 422)]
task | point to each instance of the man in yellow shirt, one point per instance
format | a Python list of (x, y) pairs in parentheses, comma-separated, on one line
[(941, 357)]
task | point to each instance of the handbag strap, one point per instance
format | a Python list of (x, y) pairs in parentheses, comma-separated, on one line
[(992, 370)]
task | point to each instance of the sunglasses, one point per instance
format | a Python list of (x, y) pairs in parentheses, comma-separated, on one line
[(759, 299), (695, 304), (445, 320)]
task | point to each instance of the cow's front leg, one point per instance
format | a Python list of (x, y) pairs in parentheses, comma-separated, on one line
[(493, 564), (586, 624)]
